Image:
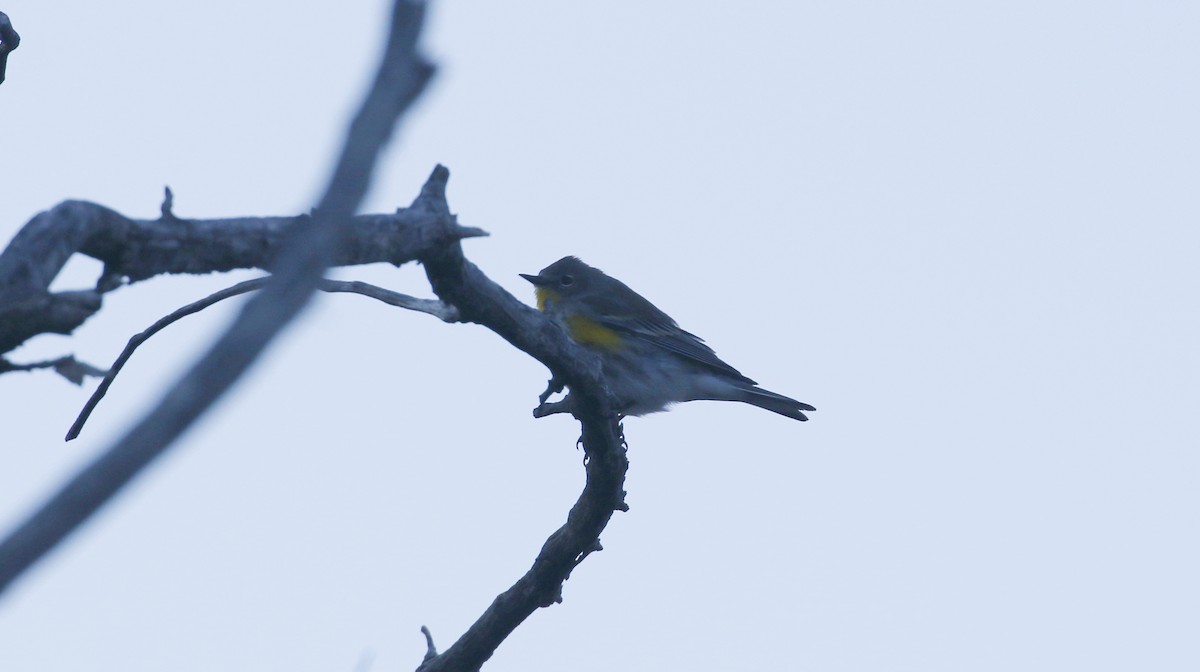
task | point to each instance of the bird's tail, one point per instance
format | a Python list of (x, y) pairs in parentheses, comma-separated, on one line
[(771, 401)]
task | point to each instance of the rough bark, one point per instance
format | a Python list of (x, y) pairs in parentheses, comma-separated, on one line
[(138, 249)]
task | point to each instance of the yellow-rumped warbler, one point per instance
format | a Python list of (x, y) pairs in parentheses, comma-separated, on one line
[(649, 362)]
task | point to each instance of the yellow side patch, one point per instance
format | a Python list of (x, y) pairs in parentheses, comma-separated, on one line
[(590, 332)]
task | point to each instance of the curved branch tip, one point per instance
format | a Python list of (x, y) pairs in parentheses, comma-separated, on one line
[(430, 649)]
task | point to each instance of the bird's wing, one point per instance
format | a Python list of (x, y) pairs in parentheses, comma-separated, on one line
[(656, 327)]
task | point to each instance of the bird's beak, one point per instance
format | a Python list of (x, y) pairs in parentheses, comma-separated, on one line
[(537, 280)]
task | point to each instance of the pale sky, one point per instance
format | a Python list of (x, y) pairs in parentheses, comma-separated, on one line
[(966, 232)]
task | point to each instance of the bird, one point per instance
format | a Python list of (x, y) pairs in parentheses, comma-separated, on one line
[(648, 361)]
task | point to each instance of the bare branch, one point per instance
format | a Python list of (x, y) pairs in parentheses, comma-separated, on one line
[(25, 315), (141, 249), (435, 308), (68, 367), (138, 339), (443, 311), (460, 283), (308, 252), (542, 585)]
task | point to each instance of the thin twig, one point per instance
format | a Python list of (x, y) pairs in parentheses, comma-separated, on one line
[(436, 308), (138, 339), (67, 366), (443, 311)]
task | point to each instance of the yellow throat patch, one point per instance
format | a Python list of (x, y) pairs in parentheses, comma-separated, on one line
[(543, 295)]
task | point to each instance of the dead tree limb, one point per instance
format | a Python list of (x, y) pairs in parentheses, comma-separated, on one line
[(460, 283), (138, 249)]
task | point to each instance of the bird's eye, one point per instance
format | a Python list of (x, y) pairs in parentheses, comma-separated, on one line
[(566, 281)]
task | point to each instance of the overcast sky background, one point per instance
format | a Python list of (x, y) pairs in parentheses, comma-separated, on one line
[(966, 232)]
